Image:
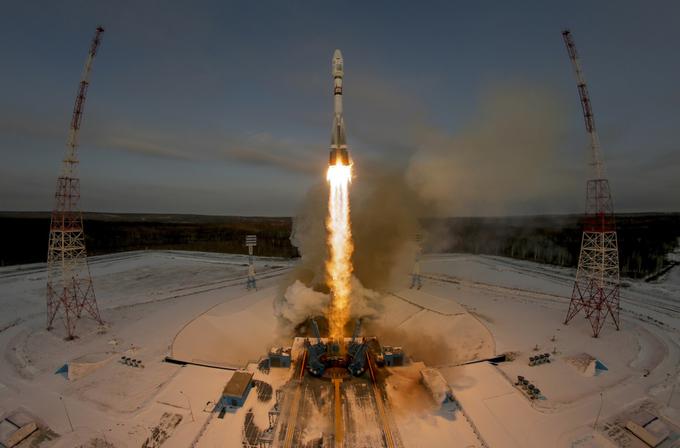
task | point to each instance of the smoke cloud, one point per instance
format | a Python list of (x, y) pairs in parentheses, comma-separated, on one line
[(299, 301), (507, 158), (507, 153), (433, 351), (384, 215)]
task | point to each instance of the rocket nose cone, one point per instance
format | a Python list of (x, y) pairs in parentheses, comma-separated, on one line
[(337, 55)]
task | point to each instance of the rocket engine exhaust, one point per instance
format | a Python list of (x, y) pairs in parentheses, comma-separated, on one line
[(338, 225)]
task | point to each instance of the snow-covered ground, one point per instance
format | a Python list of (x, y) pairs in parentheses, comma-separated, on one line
[(145, 299), (523, 305), (194, 307)]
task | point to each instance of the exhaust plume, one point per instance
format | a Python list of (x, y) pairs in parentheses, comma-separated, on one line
[(339, 264), (506, 156)]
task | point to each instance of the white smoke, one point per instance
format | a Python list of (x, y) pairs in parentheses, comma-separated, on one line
[(301, 301)]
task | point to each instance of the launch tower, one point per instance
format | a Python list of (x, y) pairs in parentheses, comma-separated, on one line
[(596, 288), (69, 284)]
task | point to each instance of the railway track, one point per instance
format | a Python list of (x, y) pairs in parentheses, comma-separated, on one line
[(295, 403), (383, 413)]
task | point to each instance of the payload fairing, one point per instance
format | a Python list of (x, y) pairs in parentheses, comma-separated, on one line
[(339, 155)]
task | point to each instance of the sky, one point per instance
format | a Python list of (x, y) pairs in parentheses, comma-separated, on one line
[(225, 108)]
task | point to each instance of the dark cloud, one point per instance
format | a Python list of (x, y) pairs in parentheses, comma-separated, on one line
[(260, 149), (272, 156)]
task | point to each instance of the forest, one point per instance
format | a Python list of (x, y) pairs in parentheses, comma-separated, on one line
[(644, 239)]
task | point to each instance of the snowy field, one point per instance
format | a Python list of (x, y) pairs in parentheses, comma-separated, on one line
[(194, 307)]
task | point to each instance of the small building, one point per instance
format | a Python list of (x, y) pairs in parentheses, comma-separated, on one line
[(279, 357), (236, 390), (393, 356)]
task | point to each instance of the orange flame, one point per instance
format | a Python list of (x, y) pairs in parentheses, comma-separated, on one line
[(339, 265)]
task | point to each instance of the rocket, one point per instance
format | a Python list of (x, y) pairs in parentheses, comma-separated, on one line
[(339, 153)]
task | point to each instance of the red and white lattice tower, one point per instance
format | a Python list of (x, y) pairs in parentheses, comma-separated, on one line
[(69, 284), (596, 289)]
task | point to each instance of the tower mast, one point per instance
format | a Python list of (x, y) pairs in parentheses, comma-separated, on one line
[(69, 283), (596, 288)]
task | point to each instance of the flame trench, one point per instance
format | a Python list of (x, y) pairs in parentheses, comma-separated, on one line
[(339, 264)]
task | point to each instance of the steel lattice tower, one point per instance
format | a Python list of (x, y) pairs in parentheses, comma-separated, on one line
[(69, 284), (596, 289)]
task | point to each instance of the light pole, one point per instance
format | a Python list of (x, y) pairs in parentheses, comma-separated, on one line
[(251, 241), (190, 409)]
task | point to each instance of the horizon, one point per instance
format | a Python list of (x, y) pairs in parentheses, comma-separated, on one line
[(539, 215)]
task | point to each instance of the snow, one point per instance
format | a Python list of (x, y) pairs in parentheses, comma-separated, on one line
[(195, 307), (145, 298), (430, 330), (231, 334), (528, 313), (422, 422)]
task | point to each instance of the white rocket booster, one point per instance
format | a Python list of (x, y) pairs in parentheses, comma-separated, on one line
[(338, 142)]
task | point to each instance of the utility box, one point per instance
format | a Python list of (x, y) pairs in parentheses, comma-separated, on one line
[(393, 356), (279, 357)]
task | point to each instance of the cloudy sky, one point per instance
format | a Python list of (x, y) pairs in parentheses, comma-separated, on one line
[(225, 107)]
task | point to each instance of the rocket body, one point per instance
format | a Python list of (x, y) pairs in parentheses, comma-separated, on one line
[(338, 153)]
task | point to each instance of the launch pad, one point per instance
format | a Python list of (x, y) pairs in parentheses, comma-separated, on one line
[(336, 396), (334, 358)]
